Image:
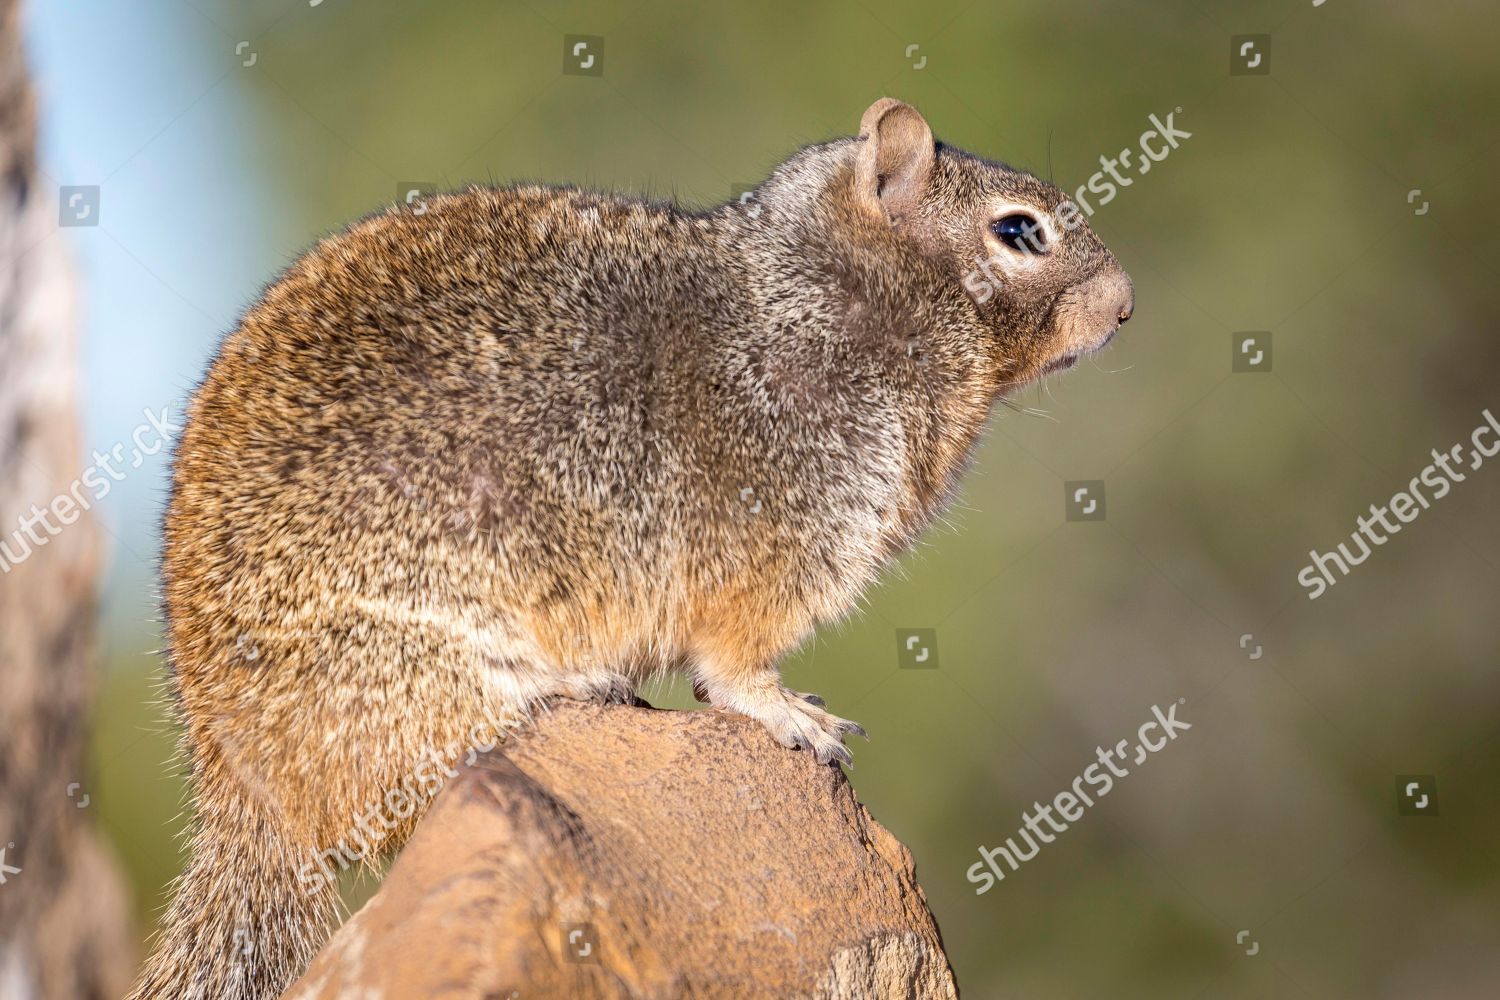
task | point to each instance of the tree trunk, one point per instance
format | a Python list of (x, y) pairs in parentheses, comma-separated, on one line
[(63, 924), (617, 851)]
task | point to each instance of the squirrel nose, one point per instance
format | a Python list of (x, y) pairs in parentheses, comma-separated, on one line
[(1125, 289)]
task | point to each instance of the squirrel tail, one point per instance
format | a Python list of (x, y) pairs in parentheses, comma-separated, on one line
[(243, 924)]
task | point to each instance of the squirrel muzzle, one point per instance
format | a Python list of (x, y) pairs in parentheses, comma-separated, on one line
[(1088, 316)]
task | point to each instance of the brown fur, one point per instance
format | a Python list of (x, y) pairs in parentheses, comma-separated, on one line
[(511, 448)]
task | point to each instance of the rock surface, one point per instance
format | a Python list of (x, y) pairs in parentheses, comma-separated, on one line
[(620, 851)]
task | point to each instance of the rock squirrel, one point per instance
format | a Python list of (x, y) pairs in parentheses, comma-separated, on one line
[(514, 444)]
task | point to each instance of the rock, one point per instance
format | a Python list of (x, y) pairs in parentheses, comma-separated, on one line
[(620, 851)]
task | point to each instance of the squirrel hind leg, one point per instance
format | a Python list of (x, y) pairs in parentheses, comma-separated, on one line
[(603, 686), (520, 687)]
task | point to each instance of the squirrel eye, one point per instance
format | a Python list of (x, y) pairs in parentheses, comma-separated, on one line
[(1020, 232)]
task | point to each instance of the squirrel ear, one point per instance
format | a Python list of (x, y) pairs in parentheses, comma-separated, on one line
[(895, 162)]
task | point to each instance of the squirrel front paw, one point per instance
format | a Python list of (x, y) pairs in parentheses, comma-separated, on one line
[(797, 721)]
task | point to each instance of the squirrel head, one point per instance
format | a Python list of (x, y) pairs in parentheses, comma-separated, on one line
[(1035, 275)]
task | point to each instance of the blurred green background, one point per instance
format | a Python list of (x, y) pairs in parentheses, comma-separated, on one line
[(1287, 211)]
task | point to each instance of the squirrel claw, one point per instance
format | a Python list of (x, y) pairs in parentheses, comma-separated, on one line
[(838, 752), (798, 721)]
